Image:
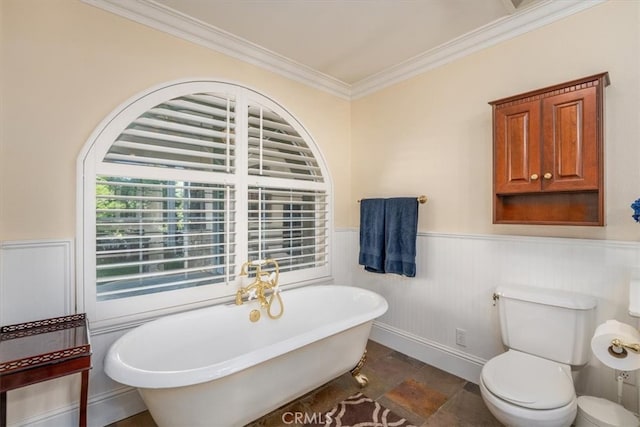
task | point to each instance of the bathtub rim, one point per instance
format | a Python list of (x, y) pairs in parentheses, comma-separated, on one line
[(117, 369)]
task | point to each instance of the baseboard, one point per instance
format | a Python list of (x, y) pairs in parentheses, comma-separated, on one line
[(103, 409), (448, 359), (123, 403)]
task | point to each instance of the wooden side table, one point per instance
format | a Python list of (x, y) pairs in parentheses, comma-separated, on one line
[(43, 350)]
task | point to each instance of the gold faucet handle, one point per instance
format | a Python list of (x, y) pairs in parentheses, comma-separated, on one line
[(273, 277)]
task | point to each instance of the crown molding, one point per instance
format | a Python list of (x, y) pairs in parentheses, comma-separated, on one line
[(503, 29), (167, 20), (159, 17)]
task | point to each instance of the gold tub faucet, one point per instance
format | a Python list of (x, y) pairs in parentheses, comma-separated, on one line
[(264, 281)]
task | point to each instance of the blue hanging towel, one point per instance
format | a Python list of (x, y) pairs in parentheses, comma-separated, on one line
[(401, 229), (372, 235)]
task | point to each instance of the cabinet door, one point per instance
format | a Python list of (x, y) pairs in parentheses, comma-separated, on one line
[(517, 148), (570, 141)]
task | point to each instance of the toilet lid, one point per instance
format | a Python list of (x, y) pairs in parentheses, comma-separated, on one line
[(529, 381)]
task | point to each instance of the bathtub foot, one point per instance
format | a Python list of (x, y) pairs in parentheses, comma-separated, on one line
[(360, 378)]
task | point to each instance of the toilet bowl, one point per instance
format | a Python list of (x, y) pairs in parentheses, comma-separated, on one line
[(547, 335), (524, 390)]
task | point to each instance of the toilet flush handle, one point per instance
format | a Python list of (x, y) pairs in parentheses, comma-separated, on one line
[(495, 298)]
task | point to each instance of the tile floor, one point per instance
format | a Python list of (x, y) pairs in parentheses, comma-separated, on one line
[(422, 394)]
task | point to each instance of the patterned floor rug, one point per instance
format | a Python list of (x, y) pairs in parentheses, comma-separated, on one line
[(360, 411)]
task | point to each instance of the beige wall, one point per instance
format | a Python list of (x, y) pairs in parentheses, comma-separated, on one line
[(432, 134), (66, 65)]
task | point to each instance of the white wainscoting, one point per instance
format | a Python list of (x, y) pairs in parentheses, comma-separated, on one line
[(455, 280), (36, 280)]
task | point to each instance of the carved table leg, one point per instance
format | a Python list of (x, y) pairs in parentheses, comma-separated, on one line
[(360, 378)]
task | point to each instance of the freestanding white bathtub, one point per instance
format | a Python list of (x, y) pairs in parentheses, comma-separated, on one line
[(213, 366)]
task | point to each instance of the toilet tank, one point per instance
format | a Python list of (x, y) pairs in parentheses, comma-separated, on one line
[(549, 323)]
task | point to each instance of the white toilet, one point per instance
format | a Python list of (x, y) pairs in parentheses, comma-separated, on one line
[(546, 332)]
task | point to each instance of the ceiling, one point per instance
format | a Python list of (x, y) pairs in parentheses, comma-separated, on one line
[(347, 40), (346, 46)]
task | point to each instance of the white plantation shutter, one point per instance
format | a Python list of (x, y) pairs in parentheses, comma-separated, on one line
[(154, 236), (289, 226), (194, 132), (185, 183), (287, 223), (277, 150)]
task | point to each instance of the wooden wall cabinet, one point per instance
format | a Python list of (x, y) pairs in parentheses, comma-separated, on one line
[(548, 155)]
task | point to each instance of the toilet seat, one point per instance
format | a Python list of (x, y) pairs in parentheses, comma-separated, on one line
[(529, 381), (514, 415)]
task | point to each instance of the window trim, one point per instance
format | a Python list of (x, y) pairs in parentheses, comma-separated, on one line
[(115, 314)]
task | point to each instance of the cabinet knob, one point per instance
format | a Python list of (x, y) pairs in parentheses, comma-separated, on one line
[(547, 175), (534, 177)]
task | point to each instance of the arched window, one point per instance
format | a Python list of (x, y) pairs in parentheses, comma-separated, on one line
[(182, 184)]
